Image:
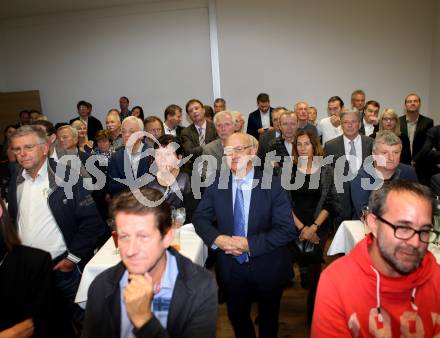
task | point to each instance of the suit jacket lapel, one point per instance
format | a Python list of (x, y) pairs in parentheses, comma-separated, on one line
[(226, 196)]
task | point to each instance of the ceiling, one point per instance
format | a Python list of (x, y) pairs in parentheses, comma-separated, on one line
[(10, 9)]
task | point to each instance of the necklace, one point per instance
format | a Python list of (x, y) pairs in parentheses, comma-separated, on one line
[(3, 259)]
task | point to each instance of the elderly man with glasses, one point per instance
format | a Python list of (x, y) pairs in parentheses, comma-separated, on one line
[(388, 286)]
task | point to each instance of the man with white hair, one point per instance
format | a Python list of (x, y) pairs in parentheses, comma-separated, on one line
[(130, 157), (387, 148), (224, 126)]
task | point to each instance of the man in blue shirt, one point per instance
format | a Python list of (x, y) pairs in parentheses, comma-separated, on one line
[(254, 225), (154, 291)]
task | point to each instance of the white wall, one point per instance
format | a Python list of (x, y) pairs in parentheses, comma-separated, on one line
[(434, 103), (158, 53), (312, 50), (155, 54)]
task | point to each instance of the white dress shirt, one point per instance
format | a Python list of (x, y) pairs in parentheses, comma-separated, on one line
[(168, 130), (369, 128), (265, 119), (37, 227)]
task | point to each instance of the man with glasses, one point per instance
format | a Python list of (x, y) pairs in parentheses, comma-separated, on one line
[(48, 217), (254, 226), (388, 286)]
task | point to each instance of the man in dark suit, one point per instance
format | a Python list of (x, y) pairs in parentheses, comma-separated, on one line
[(414, 125), (132, 160), (269, 136), (358, 101), (93, 124), (260, 120), (356, 147), (430, 152), (154, 291), (301, 110), (173, 118), (370, 121), (254, 226), (197, 134)]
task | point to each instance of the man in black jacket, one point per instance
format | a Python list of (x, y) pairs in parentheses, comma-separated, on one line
[(85, 114), (52, 212), (154, 291)]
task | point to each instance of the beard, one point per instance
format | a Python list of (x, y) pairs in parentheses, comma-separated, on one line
[(390, 254)]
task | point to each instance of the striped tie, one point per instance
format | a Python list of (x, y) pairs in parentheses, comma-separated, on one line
[(201, 137)]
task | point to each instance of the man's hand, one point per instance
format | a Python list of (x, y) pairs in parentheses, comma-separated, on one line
[(23, 329), (335, 120), (64, 265), (413, 163), (261, 130), (241, 243), (137, 297)]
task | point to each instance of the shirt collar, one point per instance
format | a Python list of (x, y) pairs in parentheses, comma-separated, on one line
[(168, 128), (246, 182), (355, 140), (203, 126)]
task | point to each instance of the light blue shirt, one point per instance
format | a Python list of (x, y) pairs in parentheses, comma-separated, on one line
[(246, 187), (160, 305)]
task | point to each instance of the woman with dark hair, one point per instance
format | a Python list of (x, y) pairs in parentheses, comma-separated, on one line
[(138, 112), (315, 201), (26, 284), (170, 181)]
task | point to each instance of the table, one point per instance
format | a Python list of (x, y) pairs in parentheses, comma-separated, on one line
[(352, 232), (191, 246)]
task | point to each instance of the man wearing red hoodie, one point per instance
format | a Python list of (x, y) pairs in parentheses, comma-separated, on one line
[(389, 285)]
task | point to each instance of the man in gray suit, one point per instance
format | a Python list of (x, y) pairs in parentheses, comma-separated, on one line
[(353, 145), (224, 126)]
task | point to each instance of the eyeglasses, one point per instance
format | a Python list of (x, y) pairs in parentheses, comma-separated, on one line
[(405, 233), (235, 150), (26, 149)]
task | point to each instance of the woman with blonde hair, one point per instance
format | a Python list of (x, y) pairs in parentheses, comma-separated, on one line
[(84, 144), (389, 120)]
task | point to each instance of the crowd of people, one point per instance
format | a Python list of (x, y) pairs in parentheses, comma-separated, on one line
[(270, 196)]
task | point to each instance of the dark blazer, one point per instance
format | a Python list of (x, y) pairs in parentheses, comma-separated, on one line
[(116, 169), (423, 124), (264, 144), (360, 196), (280, 150), (270, 229), (431, 148), (254, 122), (190, 142), (435, 184), (336, 148), (193, 308), (26, 289), (76, 215), (93, 126)]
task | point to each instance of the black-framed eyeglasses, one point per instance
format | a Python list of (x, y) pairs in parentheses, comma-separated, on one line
[(405, 232)]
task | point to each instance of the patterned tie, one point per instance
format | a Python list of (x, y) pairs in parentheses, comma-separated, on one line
[(352, 165), (201, 136), (239, 219)]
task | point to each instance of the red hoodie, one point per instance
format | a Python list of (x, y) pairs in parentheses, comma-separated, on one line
[(355, 300)]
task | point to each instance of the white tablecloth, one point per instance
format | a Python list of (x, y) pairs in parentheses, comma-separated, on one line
[(191, 246), (351, 232)]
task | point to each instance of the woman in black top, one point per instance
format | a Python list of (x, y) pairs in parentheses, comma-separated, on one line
[(169, 180), (314, 202), (26, 282)]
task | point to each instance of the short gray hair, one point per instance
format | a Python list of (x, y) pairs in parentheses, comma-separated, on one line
[(73, 130), (30, 129), (134, 119), (222, 114), (348, 111), (386, 137)]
